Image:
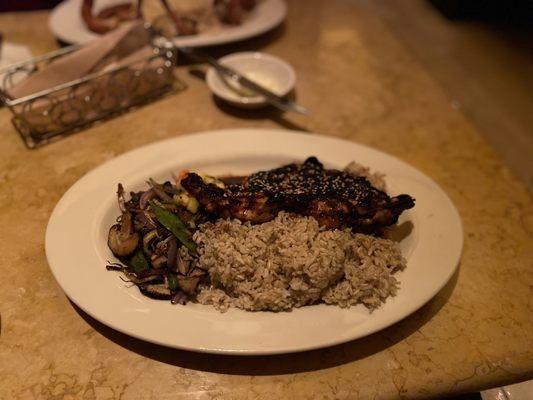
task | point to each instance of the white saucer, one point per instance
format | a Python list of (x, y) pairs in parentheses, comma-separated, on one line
[(267, 70)]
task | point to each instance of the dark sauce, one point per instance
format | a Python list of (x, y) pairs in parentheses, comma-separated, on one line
[(309, 180)]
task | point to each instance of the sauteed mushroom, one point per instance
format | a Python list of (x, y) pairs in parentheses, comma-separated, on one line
[(122, 238)]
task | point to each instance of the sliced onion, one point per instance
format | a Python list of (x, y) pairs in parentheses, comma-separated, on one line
[(197, 272), (145, 198), (188, 283), (147, 239), (159, 292), (156, 187), (182, 265), (179, 298), (172, 254), (158, 261), (146, 220)]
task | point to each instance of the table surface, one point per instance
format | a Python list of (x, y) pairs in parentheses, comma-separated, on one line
[(363, 86)]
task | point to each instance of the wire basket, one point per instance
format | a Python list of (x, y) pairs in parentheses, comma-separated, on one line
[(58, 111)]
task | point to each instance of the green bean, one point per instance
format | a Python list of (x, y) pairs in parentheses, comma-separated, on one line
[(175, 225), (139, 262), (172, 280)]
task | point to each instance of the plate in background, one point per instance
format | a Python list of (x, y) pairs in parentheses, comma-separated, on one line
[(67, 25)]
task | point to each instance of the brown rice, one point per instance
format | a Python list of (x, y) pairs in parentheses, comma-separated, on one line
[(292, 262)]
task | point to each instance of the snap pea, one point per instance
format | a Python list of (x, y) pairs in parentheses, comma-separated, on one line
[(172, 280), (139, 262), (175, 225)]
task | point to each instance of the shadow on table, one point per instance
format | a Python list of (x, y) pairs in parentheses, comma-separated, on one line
[(277, 116), (287, 363)]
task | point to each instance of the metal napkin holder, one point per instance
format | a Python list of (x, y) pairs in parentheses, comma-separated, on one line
[(58, 111)]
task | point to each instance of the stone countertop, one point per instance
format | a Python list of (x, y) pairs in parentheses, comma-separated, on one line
[(363, 86)]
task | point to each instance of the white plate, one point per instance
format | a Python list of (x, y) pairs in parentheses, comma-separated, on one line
[(77, 252), (261, 68), (67, 25)]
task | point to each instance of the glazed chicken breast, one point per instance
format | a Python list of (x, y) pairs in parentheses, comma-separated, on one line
[(336, 199)]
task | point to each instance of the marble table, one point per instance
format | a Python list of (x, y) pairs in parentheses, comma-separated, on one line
[(362, 86)]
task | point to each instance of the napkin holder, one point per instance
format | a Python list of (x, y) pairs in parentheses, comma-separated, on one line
[(63, 109)]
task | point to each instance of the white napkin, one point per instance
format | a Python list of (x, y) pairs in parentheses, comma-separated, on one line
[(12, 53), (107, 49)]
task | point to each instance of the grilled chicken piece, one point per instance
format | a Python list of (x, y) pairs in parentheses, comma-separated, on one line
[(334, 198), (246, 206)]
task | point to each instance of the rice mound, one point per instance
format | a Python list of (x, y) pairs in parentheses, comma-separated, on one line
[(291, 262), (376, 179)]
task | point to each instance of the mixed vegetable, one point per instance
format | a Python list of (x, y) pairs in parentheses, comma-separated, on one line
[(153, 241)]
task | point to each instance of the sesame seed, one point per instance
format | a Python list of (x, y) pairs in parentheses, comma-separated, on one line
[(308, 180)]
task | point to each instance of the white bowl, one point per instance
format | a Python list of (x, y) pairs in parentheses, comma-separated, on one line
[(267, 70)]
